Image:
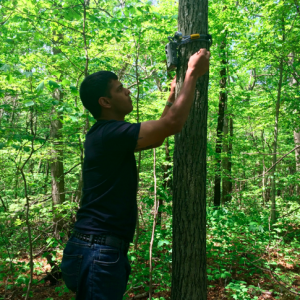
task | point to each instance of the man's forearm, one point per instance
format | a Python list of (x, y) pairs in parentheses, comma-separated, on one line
[(182, 105), (167, 108)]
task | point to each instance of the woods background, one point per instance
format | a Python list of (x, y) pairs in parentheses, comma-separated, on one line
[(48, 47)]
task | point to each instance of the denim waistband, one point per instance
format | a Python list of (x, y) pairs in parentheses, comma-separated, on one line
[(107, 240)]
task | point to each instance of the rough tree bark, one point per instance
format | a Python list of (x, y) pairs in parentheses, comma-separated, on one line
[(226, 160), (56, 164), (222, 104), (189, 180)]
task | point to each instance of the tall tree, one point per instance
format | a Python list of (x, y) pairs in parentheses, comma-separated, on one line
[(297, 157), (189, 185), (56, 164), (226, 159), (297, 129), (222, 104)]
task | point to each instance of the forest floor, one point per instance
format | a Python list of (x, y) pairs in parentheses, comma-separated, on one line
[(244, 261), (216, 288)]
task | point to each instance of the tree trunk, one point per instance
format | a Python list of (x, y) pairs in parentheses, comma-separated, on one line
[(222, 104), (56, 164), (226, 160), (166, 183), (156, 206), (78, 194), (264, 169), (57, 168), (297, 157), (137, 229), (273, 180), (296, 134), (189, 180)]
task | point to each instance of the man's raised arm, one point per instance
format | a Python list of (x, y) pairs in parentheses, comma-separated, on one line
[(153, 132)]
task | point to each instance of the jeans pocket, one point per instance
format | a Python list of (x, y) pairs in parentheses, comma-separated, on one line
[(108, 257), (70, 267)]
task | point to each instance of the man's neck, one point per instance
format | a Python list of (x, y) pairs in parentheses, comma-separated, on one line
[(110, 118), (107, 118)]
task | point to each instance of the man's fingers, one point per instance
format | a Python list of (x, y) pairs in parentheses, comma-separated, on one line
[(203, 51)]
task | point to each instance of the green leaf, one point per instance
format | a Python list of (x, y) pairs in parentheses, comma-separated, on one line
[(132, 10), (29, 103), (53, 84), (28, 74), (9, 77), (5, 68), (74, 119), (65, 82), (55, 102), (162, 242), (74, 90), (40, 87), (10, 41)]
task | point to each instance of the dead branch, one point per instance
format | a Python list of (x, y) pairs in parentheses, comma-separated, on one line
[(288, 289), (278, 161)]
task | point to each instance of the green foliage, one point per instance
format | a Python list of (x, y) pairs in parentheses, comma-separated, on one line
[(240, 291), (240, 244), (45, 50)]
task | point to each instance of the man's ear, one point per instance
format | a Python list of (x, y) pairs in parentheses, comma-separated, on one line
[(104, 102)]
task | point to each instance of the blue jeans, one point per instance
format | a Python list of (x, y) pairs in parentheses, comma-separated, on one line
[(93, 271)]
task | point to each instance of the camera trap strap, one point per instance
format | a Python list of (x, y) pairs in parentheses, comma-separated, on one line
[(177, 41)]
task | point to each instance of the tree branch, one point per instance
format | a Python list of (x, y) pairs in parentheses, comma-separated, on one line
[(278, 161), (273, 276)]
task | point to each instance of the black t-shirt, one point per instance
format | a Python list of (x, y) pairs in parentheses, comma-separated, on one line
[(108, 204)]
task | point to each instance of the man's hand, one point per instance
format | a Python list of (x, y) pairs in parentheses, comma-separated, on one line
[(152, 133), (199, 62)]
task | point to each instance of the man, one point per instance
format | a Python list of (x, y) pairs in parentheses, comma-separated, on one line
[(95, 263)]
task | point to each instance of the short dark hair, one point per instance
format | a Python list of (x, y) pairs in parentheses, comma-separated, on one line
[(93, 87)]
